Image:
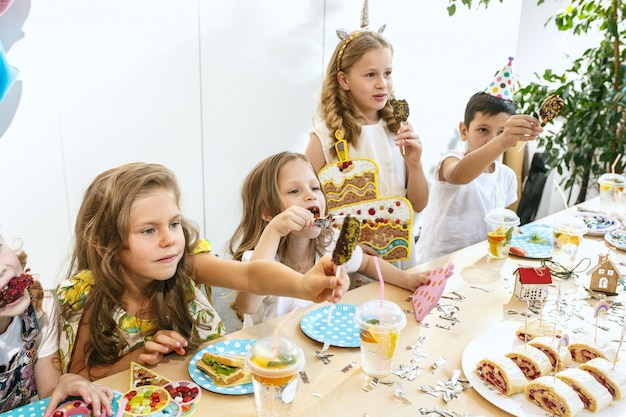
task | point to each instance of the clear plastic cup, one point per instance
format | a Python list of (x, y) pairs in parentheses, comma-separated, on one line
[(274, 375), (568, 233), (611, 190), (500, 225), (380, 328)]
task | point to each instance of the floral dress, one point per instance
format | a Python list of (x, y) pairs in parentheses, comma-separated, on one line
[(133, 330), (17, 380)]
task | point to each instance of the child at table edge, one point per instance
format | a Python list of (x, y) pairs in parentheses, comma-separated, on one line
[(469, 184), (281, 198), (29, 344), (129, 277)]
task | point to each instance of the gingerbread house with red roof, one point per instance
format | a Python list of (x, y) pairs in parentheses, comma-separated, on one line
[(604, 276), (532, 283)]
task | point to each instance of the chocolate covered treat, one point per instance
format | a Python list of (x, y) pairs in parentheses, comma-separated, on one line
[(14, 289), (550, 108), (400, 110), (347, 241)]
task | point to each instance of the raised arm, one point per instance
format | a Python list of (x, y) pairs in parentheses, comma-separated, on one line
[(269, 277), (292, 219), (463, 171)]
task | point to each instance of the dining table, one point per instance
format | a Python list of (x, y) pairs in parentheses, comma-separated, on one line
[(428, 378)]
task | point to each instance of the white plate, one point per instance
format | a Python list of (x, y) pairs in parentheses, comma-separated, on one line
[(599, 224), (227, 347), (617, 238), (342, 330), (501, 342)]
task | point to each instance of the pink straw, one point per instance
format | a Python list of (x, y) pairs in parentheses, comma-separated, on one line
[(380, 280), (382, 299), (277, 330)]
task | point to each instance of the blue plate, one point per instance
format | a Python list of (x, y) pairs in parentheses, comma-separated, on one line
[(599, 224), (534, 241), (227, 347), (617, 238), (342, 330), (37, 408)]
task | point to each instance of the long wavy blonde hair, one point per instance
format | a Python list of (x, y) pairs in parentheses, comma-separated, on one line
[(101, 233), (335, 106), (260, 197)]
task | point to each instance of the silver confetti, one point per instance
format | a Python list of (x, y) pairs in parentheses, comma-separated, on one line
[(304, 377), (348, 367), (398, 394)]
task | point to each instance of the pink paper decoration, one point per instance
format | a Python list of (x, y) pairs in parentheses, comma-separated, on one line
[(426, 297)]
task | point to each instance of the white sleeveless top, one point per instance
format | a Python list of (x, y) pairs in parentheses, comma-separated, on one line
[(376, 143)]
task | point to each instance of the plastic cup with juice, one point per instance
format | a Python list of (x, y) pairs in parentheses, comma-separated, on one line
[(500, 225), (567, 233), (274, 364), (611, 190), (379, 331)]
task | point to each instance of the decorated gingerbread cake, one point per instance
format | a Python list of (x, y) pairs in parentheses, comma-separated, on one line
[(349, 182), (351, 188)]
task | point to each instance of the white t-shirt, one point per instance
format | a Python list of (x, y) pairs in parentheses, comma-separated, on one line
[(274, 306), (454, 216), (46, 341)]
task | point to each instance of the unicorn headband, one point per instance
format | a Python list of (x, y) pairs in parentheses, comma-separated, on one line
[(347, 38)]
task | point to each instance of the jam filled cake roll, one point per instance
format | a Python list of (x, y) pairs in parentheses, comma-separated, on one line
[(533, 362), (535, 328), (549, 346), (501, 373), (593, 394), (585, 348), (612, 378), (554, 396)]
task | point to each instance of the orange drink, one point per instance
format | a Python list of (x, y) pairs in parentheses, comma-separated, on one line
[(500, 226), (274, 364), (380, 328)]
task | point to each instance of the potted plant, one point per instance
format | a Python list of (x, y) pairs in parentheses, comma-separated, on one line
[(592, 134)]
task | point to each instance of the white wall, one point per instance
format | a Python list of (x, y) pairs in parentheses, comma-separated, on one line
[(209, 88)]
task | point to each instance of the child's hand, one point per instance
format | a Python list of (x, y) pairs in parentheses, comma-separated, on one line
[(162, 343), (98, 396), (411, 142), (520, 127), (292, 219), (417, 279), (321, 284)]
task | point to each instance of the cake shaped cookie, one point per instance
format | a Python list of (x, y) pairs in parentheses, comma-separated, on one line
[(349, 182), (386, 225)]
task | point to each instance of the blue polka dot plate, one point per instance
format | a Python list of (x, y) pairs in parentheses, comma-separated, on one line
[(534, 241), (342, 330), (235, 347)]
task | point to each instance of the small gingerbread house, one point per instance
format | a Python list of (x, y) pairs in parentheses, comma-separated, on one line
[(604, 276), (530, 282)]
